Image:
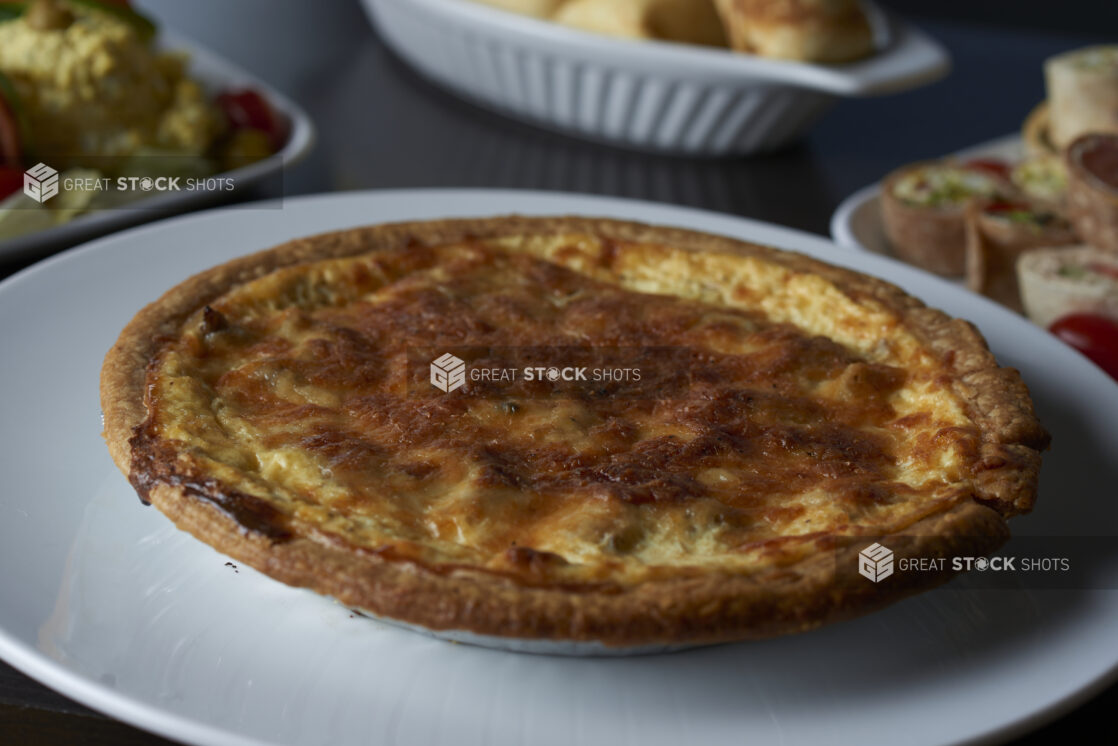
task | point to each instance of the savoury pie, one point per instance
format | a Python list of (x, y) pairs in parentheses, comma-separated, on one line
[(266, 406)]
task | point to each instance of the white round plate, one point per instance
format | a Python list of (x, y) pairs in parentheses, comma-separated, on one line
[(857, 221), (105, 601)]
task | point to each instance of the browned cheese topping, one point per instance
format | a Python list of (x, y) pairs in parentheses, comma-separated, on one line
[(807, 411)]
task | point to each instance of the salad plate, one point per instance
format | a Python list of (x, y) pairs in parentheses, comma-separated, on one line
[(217, 75)]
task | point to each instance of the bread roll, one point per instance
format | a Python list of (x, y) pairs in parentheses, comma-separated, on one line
[(687, 21), (536, 8), (805, 30)]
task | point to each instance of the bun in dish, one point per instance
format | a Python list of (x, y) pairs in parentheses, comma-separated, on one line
[(824, 31), (806, 30), (684, 21)]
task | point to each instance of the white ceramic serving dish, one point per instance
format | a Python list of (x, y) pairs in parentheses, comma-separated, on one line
[(107, 602), (642, 94), (215, 74)]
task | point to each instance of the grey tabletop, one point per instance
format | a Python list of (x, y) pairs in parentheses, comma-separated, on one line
[(381, 127)]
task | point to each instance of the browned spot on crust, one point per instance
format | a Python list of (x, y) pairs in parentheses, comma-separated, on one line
[(153, 464)]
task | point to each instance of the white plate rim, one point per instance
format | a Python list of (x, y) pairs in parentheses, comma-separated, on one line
[(158, 720)]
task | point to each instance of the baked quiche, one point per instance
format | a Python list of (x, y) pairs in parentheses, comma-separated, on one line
[(276, 408)]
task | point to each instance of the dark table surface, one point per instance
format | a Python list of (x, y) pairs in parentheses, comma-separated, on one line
[(380, 126)]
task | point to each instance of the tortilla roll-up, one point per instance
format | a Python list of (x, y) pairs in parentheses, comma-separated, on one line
[(1057, 282), (998, 233), (923, 208), (1092, 163), (1036, 132), (1043, 181), (804, 30), (1082, 93)]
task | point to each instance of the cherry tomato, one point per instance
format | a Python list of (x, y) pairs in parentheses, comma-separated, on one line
[(247, 109), (1094, 336), (990, 165), (11, 181)]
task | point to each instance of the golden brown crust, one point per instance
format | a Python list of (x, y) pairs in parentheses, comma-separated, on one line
[(708, 608)]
